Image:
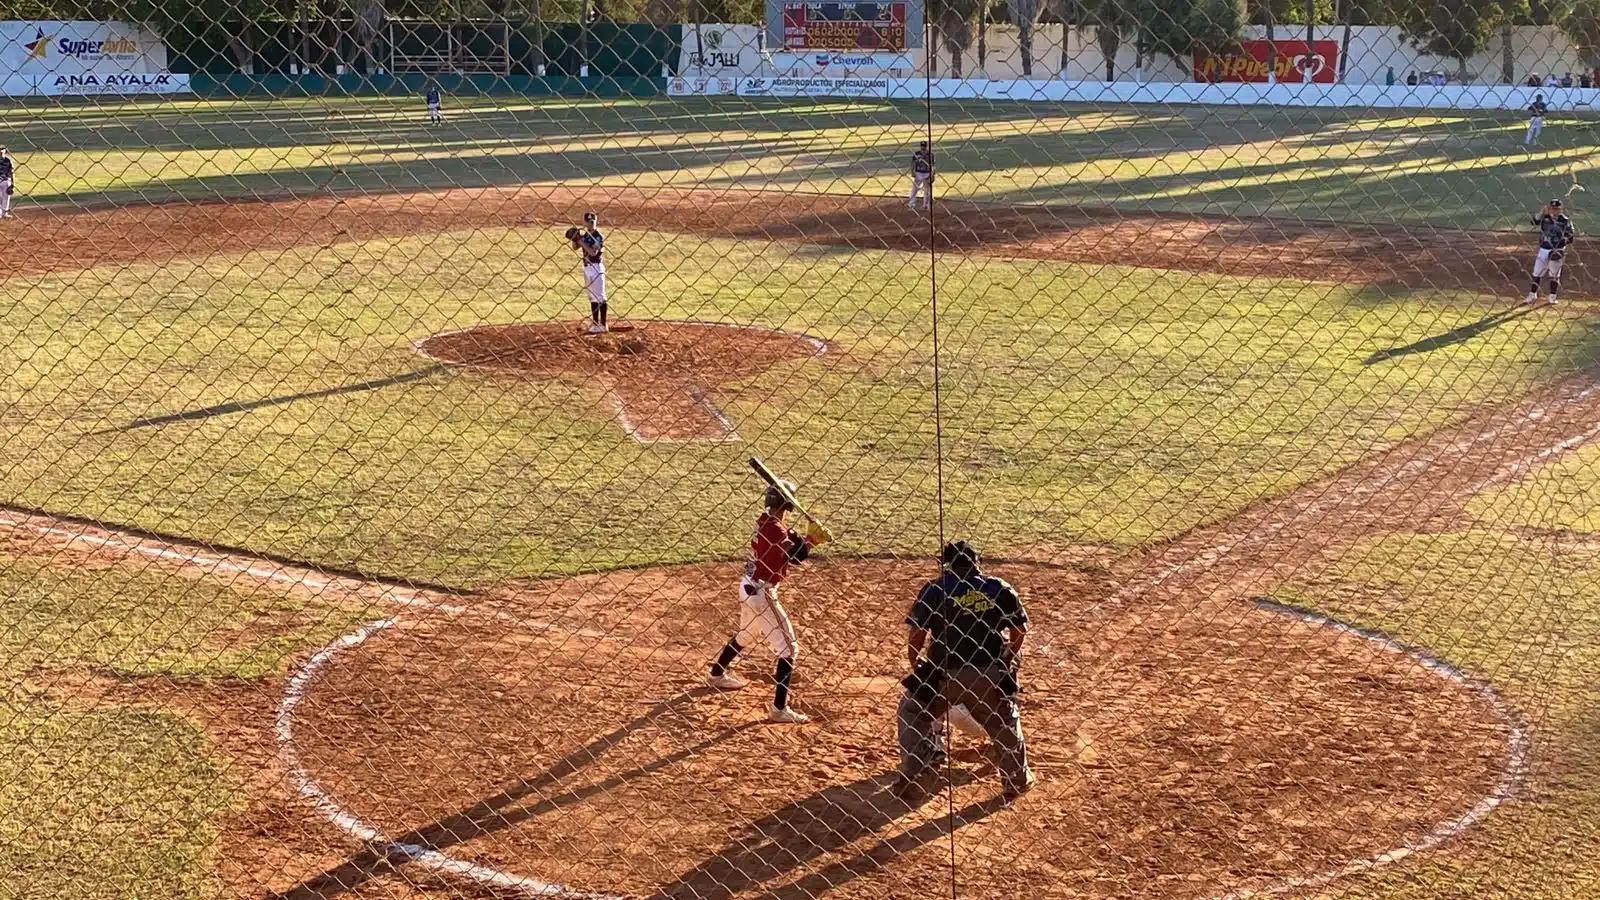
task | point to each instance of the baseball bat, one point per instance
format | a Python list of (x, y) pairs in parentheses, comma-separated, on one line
[(788, 495)]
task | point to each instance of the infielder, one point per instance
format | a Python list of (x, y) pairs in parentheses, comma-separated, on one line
[(431, 96), (773, 548), (1555, 236), (972, 628), (591, 244), (8, 186), (921, 176), (1536, 111)]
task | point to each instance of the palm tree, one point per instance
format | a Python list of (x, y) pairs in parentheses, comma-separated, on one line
[(1024, 13)]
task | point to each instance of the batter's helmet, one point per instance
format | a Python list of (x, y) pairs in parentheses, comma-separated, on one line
[(774, 498), (591, 218), (959, 556), (1555, 204)]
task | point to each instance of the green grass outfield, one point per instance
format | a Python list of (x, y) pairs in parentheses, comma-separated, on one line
[(1105, 405), (1449, 169)]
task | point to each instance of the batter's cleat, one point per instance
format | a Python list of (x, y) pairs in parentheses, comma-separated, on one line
[(1551, 302), (1528, 300), (597, 328), (1013, 791), (727, 681), (786, 716)]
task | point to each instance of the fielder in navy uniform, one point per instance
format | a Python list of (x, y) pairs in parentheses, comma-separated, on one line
[(591, 244), (8, 185), (431, 95), (1536, 111), (971, 628), (1556, 234), (922, 176)]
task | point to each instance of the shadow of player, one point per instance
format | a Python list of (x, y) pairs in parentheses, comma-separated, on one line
[(504, 809), (1454, 336), (788, 839)]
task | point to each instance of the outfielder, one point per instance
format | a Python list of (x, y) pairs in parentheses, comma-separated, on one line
[(977, 627), (1536, 111), (773, 547), (8, 187), (591, 244), (1555, 236), (921, 176), (431, 97)]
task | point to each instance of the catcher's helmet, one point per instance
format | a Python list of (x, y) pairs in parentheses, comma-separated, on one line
[(590, 218), (959, 555), (774, 499)]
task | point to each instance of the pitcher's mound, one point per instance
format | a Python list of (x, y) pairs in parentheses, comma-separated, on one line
[(659, 374)]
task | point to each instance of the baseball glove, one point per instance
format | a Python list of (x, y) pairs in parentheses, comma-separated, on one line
[(573, 234)]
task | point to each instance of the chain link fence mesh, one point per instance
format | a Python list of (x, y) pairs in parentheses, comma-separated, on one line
[(377, 525)]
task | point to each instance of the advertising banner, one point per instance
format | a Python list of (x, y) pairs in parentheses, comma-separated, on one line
[(43, 49), (814, 86), (100, 83), (679, 86), (720, 51), (1297, 63), (839, 60)]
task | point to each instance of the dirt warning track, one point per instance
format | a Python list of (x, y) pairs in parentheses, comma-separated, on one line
[(1490, 262)]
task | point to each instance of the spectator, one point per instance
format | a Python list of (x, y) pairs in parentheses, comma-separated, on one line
[(1411, 79), (1566, 80), (1534, 80), (1388, 77), (1551, 81), (1584, 80)]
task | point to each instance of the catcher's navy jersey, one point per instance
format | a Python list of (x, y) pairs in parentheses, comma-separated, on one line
[(966, 615), (1555, 232)]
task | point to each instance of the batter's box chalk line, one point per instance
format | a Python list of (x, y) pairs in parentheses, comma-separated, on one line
[(730, 434), (440, 862)]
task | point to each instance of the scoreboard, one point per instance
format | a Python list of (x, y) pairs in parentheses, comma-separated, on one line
[(864, 27), (829, 36)]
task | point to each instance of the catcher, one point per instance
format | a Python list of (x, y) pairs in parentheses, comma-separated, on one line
[(589, 242), (773, 548), (1555, 236), (972, 628)]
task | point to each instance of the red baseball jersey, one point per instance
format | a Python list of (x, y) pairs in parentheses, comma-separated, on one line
[(770, 546)]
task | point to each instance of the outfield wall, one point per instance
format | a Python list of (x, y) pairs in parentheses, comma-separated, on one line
[(1366, 96), (52, 58)]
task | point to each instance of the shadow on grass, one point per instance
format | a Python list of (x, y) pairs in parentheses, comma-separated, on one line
[(239, 406), (1454, 336)]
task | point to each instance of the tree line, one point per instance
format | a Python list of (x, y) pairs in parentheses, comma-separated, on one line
[(1450, 29)]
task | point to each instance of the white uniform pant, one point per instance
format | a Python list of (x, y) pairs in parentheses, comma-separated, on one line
[(1543, 265), (594, 281), (433, 110), (762, 617), (921, 183), (1535, 125), (5, 197)]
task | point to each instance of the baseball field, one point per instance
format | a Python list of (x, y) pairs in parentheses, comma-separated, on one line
[(340, 562)]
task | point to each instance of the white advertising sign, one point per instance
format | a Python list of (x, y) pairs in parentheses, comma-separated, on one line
[(720, 51), (97, 83), (42, 49), (814, 86), (823, 62), (701, 87)]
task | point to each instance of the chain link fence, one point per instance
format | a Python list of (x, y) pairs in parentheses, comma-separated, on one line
[(863, 450)]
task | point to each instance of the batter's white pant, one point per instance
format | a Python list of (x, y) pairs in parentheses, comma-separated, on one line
[(1543, 265), (762, 617), (5, 197), (1535, 125), (921, 183), (594, 281)]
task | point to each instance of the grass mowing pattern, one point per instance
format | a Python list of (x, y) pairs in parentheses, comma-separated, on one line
[(1466, 170)]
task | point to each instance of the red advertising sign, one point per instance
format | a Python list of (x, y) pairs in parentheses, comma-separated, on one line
[(1294, 63)]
